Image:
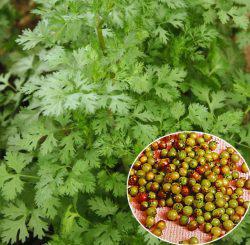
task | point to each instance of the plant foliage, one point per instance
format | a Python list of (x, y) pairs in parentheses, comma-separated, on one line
[(98, 82)]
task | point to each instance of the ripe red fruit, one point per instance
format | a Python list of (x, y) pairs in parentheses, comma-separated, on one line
[(195, 175), (200, 169), (161, 194), (164, 163), (133, 180), (142, 197), (185, 191), (207, 167), (162, 144)]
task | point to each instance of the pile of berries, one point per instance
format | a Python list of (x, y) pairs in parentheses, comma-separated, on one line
[(202, 188)]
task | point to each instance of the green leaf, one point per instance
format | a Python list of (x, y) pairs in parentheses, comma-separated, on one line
[(12, 188), (174, 4), (105, 233), (142, 113), (201, 91), (17, 161), (69, 144), (13, 223), (120, 104), (47, 188), (4, 81), (168, 82), (28, 39), (228, 122), (4, 175), (68, 220), (102, 207), (37, 224), (114, 182), (177, 110), (49, 144), (223, 16), (145, 133), (162, 34), (83, 171), (92, 158), (217, 99), (199, 115), (10, 183), (124, 226)]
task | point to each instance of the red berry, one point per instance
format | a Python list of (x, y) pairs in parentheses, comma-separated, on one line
[(161, 194), (133, 180), (185, 191), (162, 144), (142, 197), (195, 175), (164, 163), (200, 169)]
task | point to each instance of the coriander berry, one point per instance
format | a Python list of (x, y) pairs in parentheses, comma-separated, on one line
[(233, 203), (224, 217), (247, 184), (228, 225), (216, 232), (157, 231), (200, 220), (190, 141), (193, 240), (183, 220), (143, 159), (215, 222), (244, 168), (209, 206), (207, 216), (235, 158), (208, 227), (192, 225), (178, 198), (151, 211), (187, 210), (161, 224), (169, 202), (150, 220), (240, 210), (172, 214)]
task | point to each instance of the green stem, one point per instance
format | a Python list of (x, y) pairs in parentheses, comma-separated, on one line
[(100, 34), (243, 145), (29, 176), (12, 87), (75, 199)]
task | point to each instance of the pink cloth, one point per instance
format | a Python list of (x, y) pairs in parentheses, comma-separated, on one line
[(173, 232)]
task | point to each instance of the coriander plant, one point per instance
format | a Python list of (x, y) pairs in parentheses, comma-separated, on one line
[(96, 83)]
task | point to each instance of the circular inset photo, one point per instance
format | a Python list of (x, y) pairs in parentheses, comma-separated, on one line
[(189, 187)]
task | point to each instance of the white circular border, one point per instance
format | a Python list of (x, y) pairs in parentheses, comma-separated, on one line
[(167, 136)]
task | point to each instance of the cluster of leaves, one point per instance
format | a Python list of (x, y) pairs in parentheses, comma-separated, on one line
[(99, 81), (7, 34)]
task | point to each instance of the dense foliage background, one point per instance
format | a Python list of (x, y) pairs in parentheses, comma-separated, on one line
[(93, 83)]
